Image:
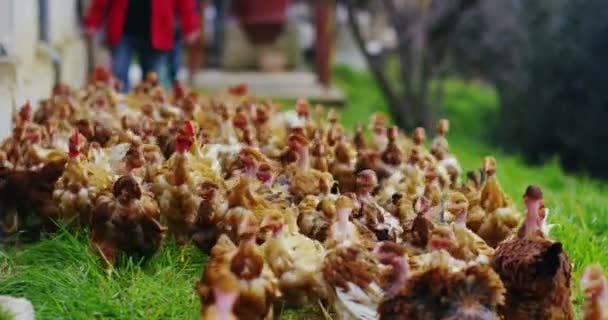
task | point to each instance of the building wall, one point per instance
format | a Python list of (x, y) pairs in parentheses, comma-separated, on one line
[(26, 73)]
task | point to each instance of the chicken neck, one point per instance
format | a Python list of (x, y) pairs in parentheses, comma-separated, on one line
[(303, 157), (461, 217), (400, 274), (532, 223), (180, 173), (224, 302), (343, 220)]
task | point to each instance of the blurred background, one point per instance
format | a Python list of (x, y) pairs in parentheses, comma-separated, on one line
[(536, 66)]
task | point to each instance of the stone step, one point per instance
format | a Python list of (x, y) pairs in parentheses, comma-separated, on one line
[(278, 85)]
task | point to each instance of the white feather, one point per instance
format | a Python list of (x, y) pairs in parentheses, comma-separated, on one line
[(355, 303), (291, 119), (546, 227)]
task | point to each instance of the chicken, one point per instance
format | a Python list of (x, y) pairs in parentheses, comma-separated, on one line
[(257, 285), (492, 194), (498, 225), (439, 292), (179, 196), (357, 280), (315, 217), (594, 286), (502, 218), (343, 166), (372, 215), (378, 124), (354, 282), (392, 156), (70, 191), (440, 149), (421, 226), (225, 295), (319, 153), (295, 260), (395, 257), (359, 138), (303, 179), (469, 245), (26, 198), (126, 221), (418, 152), (207, 225), (335, 132), (471, 189), (217, 264), (535, 270), (345, 232)]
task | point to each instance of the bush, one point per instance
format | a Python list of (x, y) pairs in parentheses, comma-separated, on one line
[(547, 61)]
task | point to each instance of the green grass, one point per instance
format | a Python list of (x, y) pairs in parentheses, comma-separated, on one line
[(65, 280), (5, 315)]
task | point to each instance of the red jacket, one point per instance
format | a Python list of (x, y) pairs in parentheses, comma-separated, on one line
[(113, 13)]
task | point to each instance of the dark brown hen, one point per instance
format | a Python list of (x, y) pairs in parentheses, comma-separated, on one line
[(26, 198), (126, 221), (535, 270), (438, 292)]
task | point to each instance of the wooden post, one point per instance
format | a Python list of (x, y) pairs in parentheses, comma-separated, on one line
[(322, 41)]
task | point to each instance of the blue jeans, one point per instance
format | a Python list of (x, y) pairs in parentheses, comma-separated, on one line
[(150, 59), (174, 57)]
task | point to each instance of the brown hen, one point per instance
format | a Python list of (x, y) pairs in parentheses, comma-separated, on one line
[(535, 270), (126, 221)]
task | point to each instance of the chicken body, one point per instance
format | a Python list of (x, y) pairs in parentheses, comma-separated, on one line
[(354, 282), (126, 221), (26, 198), (256, 283), (296, 261), (439, 292), (179, 200), (595, 289), (536, 273)]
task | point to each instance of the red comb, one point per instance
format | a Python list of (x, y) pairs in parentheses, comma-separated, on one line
[(74, 144), (238, 90), (189, 128), (102, 74), (184, 141), (26, 111), (60, 89), (179, 91)]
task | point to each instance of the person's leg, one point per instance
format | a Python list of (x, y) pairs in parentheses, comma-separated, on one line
[(150, 59), (174, 58), (121, 60)]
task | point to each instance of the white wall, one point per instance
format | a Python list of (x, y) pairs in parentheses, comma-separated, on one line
[(27, 73)]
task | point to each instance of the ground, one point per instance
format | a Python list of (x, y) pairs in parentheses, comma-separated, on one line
[(65, 280)]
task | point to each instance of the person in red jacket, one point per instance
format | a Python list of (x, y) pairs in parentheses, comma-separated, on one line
[(144, 28)]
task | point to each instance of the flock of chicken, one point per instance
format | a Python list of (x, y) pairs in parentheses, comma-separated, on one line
[(289, 207)]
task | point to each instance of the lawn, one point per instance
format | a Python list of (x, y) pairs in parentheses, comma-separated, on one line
[(64, 279)]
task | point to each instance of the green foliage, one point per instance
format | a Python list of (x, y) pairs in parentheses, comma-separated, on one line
[(64, 279), (546, 59)]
